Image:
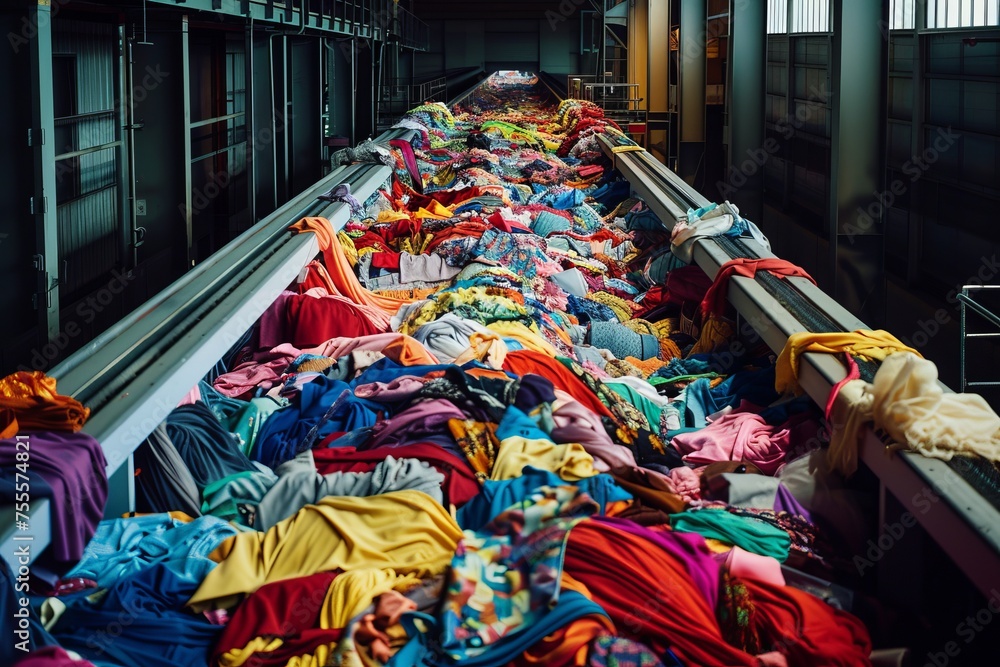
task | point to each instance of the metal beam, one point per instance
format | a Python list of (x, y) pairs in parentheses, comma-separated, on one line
[(42, 139), (747, 84), (691, 91), (857, 161)]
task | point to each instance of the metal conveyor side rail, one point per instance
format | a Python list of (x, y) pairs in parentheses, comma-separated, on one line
[(135, 374), (965, 526)]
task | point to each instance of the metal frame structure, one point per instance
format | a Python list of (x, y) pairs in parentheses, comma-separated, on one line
[(966, 302)]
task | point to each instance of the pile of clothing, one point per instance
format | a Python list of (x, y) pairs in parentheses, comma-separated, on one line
[(499, 422)]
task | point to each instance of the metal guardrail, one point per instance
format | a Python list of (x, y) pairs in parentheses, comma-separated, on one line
[(967, 302), (963, 524), (134, 374)]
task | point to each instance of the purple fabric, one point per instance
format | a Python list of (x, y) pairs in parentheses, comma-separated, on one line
[(400, 389), (532, 391), (575, 423), (689, 548), (73, 466), (784, 501), (418, 423), (272, 322)]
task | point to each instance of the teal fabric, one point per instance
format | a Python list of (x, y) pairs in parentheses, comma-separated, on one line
[(748, 533)]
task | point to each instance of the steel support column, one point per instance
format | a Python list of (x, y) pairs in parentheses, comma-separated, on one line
[(747, 84), (42, 139), (692, 88), (858, 74)]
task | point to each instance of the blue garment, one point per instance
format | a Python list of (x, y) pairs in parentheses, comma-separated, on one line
[(324, 406), (498, 496), (425, 650), (610, 195), (17, 638), (141, 622), (517, 424), (122, 547)]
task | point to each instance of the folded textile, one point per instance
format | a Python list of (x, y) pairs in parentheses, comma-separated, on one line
[(907, 402)]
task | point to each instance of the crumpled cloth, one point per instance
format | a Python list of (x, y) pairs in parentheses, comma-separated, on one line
[(906, 401), (29, 401), (871, 345)]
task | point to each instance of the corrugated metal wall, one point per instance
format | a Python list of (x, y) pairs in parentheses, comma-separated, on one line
[(89, 205)]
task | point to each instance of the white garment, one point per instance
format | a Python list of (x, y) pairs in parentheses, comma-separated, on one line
[(448, 336), (906, 401)]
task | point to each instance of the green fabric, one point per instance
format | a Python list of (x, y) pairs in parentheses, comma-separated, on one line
[(246, 423), (748, 533), (645, 406)]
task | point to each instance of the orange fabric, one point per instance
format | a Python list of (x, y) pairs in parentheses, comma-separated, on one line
[(568, 646), (409, 352), (342, 276), (523, 362), (29, 401), (401, 349)]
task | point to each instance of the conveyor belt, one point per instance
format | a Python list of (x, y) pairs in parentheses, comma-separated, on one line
[(135, 373)]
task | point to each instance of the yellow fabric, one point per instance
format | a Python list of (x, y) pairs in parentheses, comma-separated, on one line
[(714, 334), (523, 335), (350, 251), (869, 345), (392, 216), (239, 656), (487, 348), (437, 211), (571, 462), (627, 149), (406, 531), (353, 592)]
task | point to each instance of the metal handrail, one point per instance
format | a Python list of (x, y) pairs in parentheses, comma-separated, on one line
[(968, 302)]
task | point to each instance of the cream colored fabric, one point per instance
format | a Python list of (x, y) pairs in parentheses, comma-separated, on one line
[(906, 401)]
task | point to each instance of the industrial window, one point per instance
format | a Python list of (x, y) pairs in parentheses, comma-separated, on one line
[(807, 16), (962, 13), (777, 17), (901, 14), (811, 16)]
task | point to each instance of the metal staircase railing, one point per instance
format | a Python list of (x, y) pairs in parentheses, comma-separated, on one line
[(967, 302)]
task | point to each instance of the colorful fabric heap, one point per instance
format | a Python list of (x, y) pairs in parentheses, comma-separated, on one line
[(488, 428)]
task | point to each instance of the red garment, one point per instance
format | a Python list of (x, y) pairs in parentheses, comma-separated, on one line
[(445, 197), (460, 483), (288, 609), (649, 595), (806, 629), (688, 283), (386, 260), (714, 302), (311, 320), (526, 362)]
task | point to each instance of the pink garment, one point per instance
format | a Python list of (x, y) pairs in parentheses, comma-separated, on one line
[(746, 565), (596, 370), (390, 392), (687, 483), (745, 436), (245, 378), (575, 423)]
